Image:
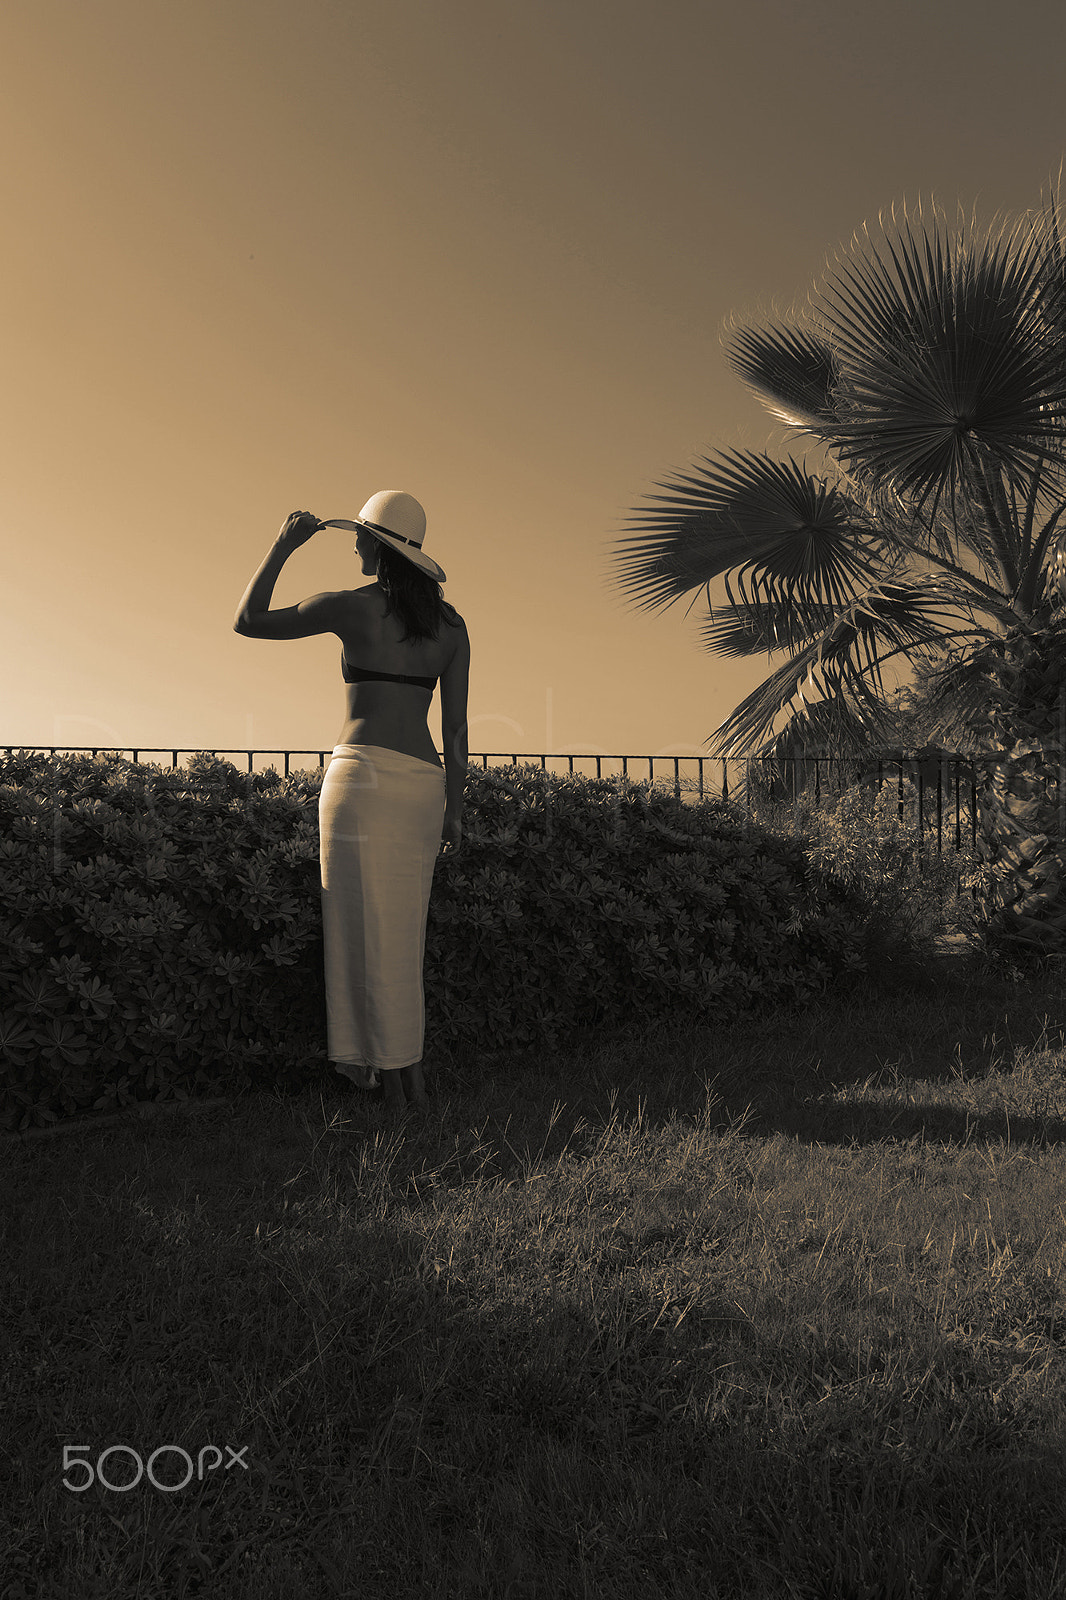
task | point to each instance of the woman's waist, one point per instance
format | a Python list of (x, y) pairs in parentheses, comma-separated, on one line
[(403, 741)]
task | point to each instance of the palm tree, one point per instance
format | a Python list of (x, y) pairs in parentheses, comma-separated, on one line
[(930, 371)]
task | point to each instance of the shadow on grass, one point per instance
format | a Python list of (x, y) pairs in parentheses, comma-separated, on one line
[(950, 1021), (163, 1294), (499, 1445), (957, 1023), (573, 1421)]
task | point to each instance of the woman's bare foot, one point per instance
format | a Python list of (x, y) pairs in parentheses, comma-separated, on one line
[(405, 1090), (395, 1098), (415, 1086)]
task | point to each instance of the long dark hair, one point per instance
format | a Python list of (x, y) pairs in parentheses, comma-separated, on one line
[(412, 595)]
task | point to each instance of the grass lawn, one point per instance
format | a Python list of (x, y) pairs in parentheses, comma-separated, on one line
[(773, 1309)]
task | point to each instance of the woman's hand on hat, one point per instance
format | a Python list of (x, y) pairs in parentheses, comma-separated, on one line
[(297, 528)]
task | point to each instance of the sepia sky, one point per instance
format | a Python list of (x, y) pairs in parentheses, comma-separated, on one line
[(261, 255)]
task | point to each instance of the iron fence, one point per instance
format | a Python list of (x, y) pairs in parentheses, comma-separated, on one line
[(920, 770)]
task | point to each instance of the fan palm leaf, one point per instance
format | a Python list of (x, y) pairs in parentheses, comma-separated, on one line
[(797, 542), (944, 358), (1053, 265), (793, 372), (816, 579), (885, 621)]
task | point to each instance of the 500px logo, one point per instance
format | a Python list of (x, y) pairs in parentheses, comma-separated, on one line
[(70, 1460)]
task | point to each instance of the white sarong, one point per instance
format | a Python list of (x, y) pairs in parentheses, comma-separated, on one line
[(380, 819)]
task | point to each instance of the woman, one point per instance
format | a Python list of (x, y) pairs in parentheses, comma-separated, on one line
[(386, 800)]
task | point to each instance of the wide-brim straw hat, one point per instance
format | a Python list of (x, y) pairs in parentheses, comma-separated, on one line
[(399, 521)]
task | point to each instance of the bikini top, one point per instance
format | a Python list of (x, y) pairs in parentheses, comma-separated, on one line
[(361, 674)]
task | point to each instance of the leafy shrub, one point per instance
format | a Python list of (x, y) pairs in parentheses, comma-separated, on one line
[(161, 931), (910, 886), (157, 933), (584, 899)]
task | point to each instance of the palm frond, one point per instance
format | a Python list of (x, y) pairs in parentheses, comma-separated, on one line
[(839, 724), (792, 371), (905, 617), (1053, 264), (748, 629), (942, 344), (1026, 530), (757, 626), (798, 542)]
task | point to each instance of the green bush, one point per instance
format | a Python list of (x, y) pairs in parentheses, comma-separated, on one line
[(910, 886), (161, 931), (577, 899), (159, 934)]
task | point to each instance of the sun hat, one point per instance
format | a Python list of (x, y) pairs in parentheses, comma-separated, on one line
[(397, 520)]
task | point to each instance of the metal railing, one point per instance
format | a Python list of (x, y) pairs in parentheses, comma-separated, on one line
[(911, 768)]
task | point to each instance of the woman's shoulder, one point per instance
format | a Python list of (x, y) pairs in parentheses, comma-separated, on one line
[(372, 596)]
